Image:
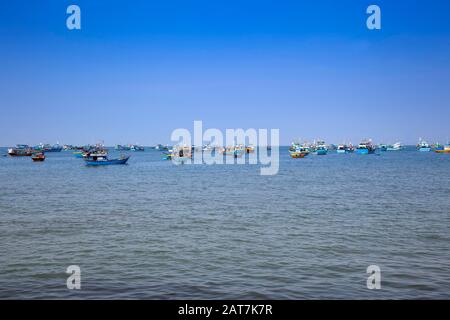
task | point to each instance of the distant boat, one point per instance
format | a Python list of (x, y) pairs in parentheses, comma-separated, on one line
[(423, 146), (38, 157), (383, 147), (298, 151), (181, 154), (48, 148), (320, 148), (365, 147), (123, 147), (103, 160), (446, 149), (21, 150), (161, 147), (136, 147), (342, 148), (395, 147)]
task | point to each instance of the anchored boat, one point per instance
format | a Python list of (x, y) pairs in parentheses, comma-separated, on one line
[(103, 160), (395, 147), (298, 150), (38, 157), (365, 147), (48, 148), (21, 150), (342, 148), (446, 149), (423, 146), (320, 148)]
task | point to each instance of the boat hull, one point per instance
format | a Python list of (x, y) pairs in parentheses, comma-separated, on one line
[(297, 155), (364, 151), (341, 151), (321, 152), (106, 162), (424, 149)]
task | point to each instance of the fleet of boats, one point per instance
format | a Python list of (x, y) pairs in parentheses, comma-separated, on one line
[(300, 150), (97, 155)]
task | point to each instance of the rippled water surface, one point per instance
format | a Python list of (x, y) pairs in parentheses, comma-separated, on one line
[(154, 230)]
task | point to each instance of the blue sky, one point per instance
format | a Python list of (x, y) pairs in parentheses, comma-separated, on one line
[(137, 70)]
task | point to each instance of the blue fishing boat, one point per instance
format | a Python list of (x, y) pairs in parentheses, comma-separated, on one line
[(365, 147), (48, 148), (321, 151), (320, 148), (103, 160), (383, 147)]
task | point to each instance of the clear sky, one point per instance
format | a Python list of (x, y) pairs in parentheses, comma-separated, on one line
[(139, 69)]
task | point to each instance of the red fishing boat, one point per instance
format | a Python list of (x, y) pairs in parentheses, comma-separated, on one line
[(38, 157)]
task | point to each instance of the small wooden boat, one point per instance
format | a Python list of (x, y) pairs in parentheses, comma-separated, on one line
[(103, 160), (298, 151), (38, 157), (297, 154)]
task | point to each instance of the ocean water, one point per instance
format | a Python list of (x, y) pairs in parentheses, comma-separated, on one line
[(153, 230)]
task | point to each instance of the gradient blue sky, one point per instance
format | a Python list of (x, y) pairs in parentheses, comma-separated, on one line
[(139, 69)]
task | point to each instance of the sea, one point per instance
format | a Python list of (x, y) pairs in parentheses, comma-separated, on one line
[(154, 230)]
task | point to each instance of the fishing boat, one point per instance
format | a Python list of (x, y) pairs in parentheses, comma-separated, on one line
[(123, 147), (38, 157), (48, 148), (136, 147), (249, 149), (181, 154), (365, 147), (21, 150), (423, 146), (235, 151), (395, 147), (161, 147), (342, 148), (320, 148), (298, 151), (296, 155), (382, 147), (103, 160), (446, 149)]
